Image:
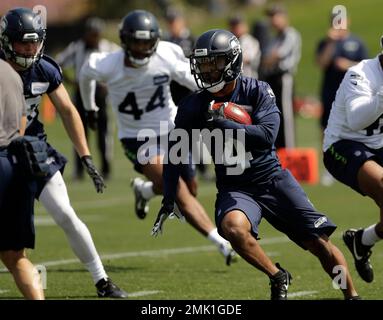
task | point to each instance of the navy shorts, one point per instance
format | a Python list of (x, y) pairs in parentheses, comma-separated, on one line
[(16, 207), (56, 163), (131, 149), (282, 202), (345, 157)]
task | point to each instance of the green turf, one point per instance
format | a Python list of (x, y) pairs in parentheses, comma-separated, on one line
[(199, 274)]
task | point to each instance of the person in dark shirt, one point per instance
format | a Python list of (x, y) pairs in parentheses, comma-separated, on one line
[(336, 53), (261, 188)]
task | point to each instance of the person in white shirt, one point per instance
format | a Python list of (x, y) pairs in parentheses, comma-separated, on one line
[(137, 79), (353, 149), (74, 56), (279, 64)]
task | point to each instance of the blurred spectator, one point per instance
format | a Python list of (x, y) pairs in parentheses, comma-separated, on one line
[(336, 53), (74, 56), (178, 33), (261, 31), (278, 66), (250, 47)]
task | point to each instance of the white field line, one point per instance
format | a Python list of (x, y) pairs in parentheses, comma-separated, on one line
[(132, 254), (143, 293), (96, 204), (301, 294), (204, 190), (131, 295), (46, 221)]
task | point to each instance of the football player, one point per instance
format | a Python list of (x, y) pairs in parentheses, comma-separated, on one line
[(22, 37), (16, 191), (263, 189), (353, 149), (138, 78)]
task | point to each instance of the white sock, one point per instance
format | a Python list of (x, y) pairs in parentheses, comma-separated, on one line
[(96, 268), (55, 199), (214, 237), (369, 236), (147, 190)]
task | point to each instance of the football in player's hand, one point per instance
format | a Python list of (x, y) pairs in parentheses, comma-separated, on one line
[(234, 112)]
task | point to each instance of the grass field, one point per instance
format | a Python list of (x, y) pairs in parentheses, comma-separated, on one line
[(181, 264)]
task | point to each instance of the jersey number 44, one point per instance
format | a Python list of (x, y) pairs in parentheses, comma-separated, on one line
[(129, 104)]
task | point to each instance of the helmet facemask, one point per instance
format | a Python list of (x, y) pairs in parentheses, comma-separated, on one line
[(139, 45), (139, 51), (214, 71), (139, 35), (24, 61)]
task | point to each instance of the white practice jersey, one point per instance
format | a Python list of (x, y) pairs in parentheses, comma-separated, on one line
[(357, 112), (140, 97)]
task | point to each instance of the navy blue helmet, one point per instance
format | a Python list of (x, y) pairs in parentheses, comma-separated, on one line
[(139, 34), (216, 59), (22, 25)]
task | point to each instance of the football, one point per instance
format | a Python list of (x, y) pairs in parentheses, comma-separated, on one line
[(234, 112)]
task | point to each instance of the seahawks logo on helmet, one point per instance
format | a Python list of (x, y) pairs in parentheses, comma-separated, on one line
[(3, 26)]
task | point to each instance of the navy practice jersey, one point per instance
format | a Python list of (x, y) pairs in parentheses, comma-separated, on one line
[(42, 77), (259, 100)]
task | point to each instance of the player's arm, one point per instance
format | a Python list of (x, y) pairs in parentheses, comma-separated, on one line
[(181, 69), (266, 118), (170, 178), (71, 119), (23, 125), (87, 81), (363, 106), (262, 134), (75, 129)]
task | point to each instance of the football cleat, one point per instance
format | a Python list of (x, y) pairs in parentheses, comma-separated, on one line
[(361, 253), (141, 204), (228, 252), (107, 289), (354, 298), (279, 284)]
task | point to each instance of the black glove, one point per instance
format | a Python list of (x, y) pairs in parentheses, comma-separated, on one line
[(93, 173), (31, 155), (92, 119), (167, 210)]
